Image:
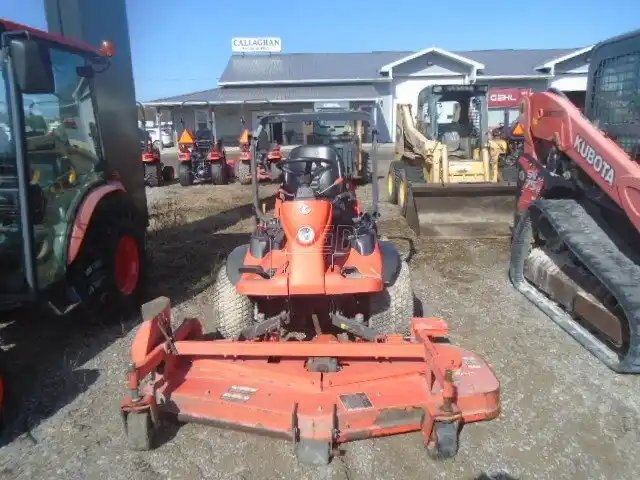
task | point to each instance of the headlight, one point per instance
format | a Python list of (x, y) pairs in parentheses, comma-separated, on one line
[(305, 235)]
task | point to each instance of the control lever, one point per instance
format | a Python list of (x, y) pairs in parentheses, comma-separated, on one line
[(338, 181)]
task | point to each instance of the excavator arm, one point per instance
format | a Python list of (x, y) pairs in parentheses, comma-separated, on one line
[(551, 118)]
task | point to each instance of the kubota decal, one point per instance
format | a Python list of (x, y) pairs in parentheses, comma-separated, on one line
[(593, 158)]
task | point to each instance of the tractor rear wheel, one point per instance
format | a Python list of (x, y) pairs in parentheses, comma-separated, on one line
[(168, 174), (391, 310), (232, 312), (218, 172), (153, 174), (107, 274), (244, 172), (185, 171), (276, 173)]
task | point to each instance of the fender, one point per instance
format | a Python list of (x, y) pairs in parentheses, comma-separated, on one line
[(390, 262), (84, 214)]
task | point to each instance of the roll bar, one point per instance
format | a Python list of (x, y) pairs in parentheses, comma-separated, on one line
[(303, 117)]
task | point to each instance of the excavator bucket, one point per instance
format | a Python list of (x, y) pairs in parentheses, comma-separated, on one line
[(462, 210)]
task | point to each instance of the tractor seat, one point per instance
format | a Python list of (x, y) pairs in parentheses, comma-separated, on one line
[(318, 184)]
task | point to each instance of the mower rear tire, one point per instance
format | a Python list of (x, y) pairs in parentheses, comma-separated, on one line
[(140, 431), (444, 440), (153, 174), (185, 171), (232, 311), (391, 310), (218, 174), (244, 172)]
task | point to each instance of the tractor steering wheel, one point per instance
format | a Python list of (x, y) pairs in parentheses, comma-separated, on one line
[(306, 177)]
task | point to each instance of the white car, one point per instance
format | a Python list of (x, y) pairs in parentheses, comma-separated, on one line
[(165, 134)]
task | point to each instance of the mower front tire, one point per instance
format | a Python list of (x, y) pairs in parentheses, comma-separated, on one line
[(232, 312), (218, 174), (140, 431), (185, 173), (444, 440), (391, 310)]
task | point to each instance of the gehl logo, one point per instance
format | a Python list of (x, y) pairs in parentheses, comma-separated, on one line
[(594, 159)]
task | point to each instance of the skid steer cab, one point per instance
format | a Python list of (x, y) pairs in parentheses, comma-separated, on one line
[(69, 233)]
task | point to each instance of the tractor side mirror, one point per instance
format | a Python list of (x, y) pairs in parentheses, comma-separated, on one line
[(32, 64)]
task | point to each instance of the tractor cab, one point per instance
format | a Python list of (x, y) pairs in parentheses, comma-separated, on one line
[(50, 155)]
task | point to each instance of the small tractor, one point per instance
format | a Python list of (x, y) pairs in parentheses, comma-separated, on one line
[(201, 160), (321, 345), (156, 173), (576, 243), (447, 176), (269, 158)]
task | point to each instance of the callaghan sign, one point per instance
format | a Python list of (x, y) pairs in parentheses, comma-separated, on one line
[(261, 44)]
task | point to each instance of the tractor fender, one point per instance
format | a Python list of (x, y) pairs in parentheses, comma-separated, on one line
[(234, 261), (390, 262), (84, 214)]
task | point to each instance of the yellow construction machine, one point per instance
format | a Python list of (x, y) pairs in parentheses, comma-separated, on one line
[(448, 175)]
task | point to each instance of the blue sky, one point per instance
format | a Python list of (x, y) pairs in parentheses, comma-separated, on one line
[(180, 46)]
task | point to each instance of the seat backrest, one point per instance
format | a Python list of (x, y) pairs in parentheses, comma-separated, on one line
[(324, 181)]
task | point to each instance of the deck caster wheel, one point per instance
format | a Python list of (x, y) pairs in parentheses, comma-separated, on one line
[(313, 452), (444, 440), (140, 431)]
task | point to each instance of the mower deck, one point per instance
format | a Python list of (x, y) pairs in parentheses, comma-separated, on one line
[(318, 393)]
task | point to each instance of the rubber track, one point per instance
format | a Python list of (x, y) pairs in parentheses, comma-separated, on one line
[(602, 257)]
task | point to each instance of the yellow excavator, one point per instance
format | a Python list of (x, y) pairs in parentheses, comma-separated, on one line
[(449, 176)]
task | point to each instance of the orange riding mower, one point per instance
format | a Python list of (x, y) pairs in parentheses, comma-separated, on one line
[(320, 344), (202, 160), (268, 161)]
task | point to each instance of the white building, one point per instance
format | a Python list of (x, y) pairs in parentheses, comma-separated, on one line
[(254, 84)]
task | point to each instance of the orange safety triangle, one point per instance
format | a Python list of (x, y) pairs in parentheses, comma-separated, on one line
[(186, 137), (244, 138)]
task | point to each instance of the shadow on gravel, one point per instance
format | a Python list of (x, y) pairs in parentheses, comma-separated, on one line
[(495, 476), (42, 354), (184, 259)]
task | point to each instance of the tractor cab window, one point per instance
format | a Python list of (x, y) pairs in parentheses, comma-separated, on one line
[(333, 131), (63, 156)]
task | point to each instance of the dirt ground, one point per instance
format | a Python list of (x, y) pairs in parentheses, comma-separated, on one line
[(564, 415)]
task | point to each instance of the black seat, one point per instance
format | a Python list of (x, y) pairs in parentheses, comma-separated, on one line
[(320, 183)]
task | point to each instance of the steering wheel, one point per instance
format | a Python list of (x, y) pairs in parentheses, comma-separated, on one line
[(285, 166)]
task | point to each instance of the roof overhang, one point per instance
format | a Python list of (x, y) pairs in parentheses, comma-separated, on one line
[(445, 53), (318, 81), (551, 64), (253, 102), (540, 76)]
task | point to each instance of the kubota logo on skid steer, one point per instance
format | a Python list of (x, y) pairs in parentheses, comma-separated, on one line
[(594, 159)]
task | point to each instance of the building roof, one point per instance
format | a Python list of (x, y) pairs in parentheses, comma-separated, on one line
[(318, 67), (275, 94), (296, 67)]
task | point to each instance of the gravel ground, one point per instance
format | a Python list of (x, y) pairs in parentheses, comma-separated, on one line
[(564, 414)]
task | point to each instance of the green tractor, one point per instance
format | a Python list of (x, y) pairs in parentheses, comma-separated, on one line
[(72, 218)]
